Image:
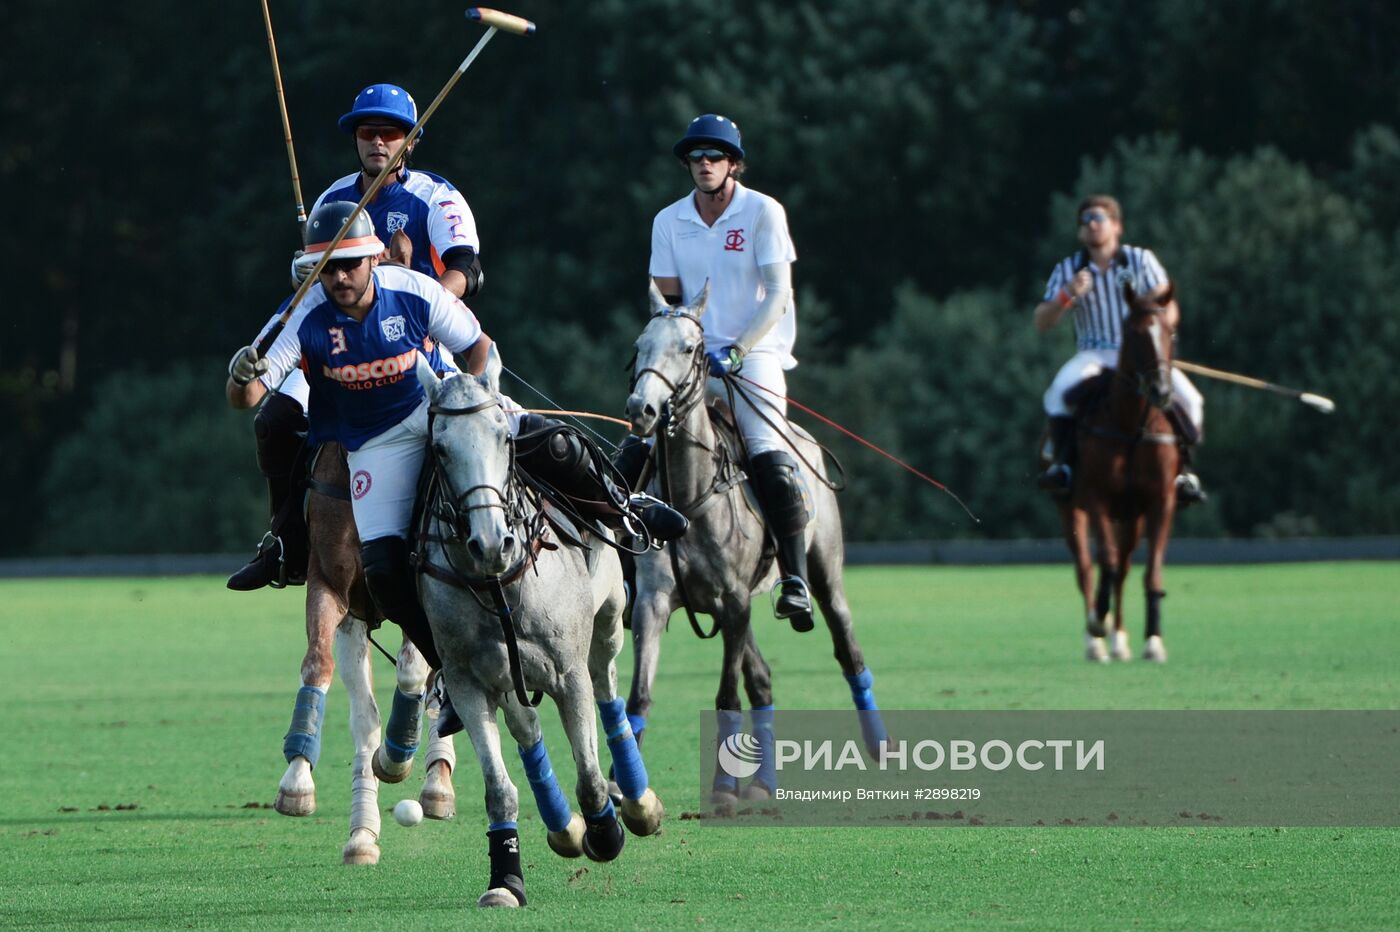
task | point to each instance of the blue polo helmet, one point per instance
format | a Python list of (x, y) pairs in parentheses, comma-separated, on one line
[(388, 101), (711, 129)]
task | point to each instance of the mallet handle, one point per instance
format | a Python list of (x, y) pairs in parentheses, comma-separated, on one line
[(503, 21), (282, 106), (1325, 405)]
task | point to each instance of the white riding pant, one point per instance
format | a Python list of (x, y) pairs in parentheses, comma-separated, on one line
[(384, 474), (759, 436), (1088, 363)]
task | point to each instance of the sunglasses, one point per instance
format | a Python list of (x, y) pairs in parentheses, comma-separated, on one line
[(370, 132), (695, 156), (342, 265), (1093, 216)]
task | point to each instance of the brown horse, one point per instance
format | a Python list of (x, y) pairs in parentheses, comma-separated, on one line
[(1125, 483), (339, 616)]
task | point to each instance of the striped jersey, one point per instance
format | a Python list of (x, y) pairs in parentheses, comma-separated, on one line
[(430, 211), (1099, 315), (362, 373)]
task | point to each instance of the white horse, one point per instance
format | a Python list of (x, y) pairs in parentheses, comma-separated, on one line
[(339, 611), (512, 610)]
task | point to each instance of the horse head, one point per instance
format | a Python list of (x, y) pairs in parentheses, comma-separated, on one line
[(473, 455), (1146, 354), (668, 376)]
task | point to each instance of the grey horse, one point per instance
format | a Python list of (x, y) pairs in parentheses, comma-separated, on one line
[(721, 558), (489, 570)]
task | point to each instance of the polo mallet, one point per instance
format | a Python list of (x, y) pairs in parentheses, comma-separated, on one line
[(286, 123), (1325, 405), (495, 20)]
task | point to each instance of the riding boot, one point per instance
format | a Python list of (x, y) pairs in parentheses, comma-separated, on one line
[(393, 586), (557, 454), (780, 493), (1059, 476), (280, 428), (1189, 490), (630, 459)]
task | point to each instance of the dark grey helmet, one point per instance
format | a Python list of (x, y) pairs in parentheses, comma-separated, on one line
[(325, 222)]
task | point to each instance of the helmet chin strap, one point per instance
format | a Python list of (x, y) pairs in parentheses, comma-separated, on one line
[(721, 191)]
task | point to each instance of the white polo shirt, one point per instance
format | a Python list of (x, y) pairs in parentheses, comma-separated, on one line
[(752, 232)]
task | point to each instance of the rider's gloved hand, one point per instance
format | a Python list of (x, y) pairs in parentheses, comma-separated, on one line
[(246, 365), (301, 267), (725, 361)]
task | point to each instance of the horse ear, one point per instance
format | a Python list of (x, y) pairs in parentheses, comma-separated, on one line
[(699, 306), (658, 300), (1129, 295), (427, 378), (490, 378)]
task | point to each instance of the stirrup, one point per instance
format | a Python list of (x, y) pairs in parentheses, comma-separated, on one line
[(1189, 490), (267, 568), (793, 600), (1057, 479)]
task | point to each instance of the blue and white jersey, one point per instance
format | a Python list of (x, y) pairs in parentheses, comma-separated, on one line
[(432, 213), (362, 373), (1099, 315)]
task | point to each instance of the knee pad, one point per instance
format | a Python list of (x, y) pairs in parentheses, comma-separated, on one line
[(279, 426), (780, 489)]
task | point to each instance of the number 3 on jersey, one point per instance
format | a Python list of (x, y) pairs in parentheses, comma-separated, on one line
[(337, 335)]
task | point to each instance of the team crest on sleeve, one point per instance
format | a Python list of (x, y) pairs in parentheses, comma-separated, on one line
[(393, 327), (396, 221)]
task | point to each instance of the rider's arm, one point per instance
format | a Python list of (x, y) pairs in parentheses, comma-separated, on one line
[(244, 396), (474, 360), (462, 274), (1057, 302), (777, 298)]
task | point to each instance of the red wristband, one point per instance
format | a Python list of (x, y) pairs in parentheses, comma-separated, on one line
[(1063, 298)]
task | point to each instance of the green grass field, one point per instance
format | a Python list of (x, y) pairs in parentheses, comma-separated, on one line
[(172, 695)]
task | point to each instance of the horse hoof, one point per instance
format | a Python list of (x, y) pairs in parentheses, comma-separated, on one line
[(1155, 650), (360, 852), (386, 770), (643, 816), (295, 804), (438, 803), (724, 802), (1095, 650), (498, 897), (757, 792), (569, 842), (603, 840), (1121, 650)]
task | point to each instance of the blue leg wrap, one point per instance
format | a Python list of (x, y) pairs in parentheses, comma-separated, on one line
[(606, 814), (304, 736), (872, 726), (628, 769), (728, 724), (762, 717), (498, 826), (405, 725), (554, 808), (638, 723)]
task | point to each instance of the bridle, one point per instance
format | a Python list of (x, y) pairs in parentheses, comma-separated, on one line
[(1160, 372), (451, 507), (691, 390)]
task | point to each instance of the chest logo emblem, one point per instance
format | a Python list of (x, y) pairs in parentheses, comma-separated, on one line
[(393, 327), (395, 221), (734, 241)]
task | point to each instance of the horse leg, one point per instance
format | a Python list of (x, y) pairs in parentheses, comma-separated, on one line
[(603, 836), (641, 809), (1159, 528), (352, 653), (758, 684), (565, 827), (729, 715), (830, 593), (507, 884), (650, 611), (1128, 530), (393, 761), (1095, 648), (296, 793), (438, 797)]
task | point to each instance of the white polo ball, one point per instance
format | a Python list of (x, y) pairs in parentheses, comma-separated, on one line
[(408, 813)]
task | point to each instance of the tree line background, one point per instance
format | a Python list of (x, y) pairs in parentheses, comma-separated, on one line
[(930, 156)]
